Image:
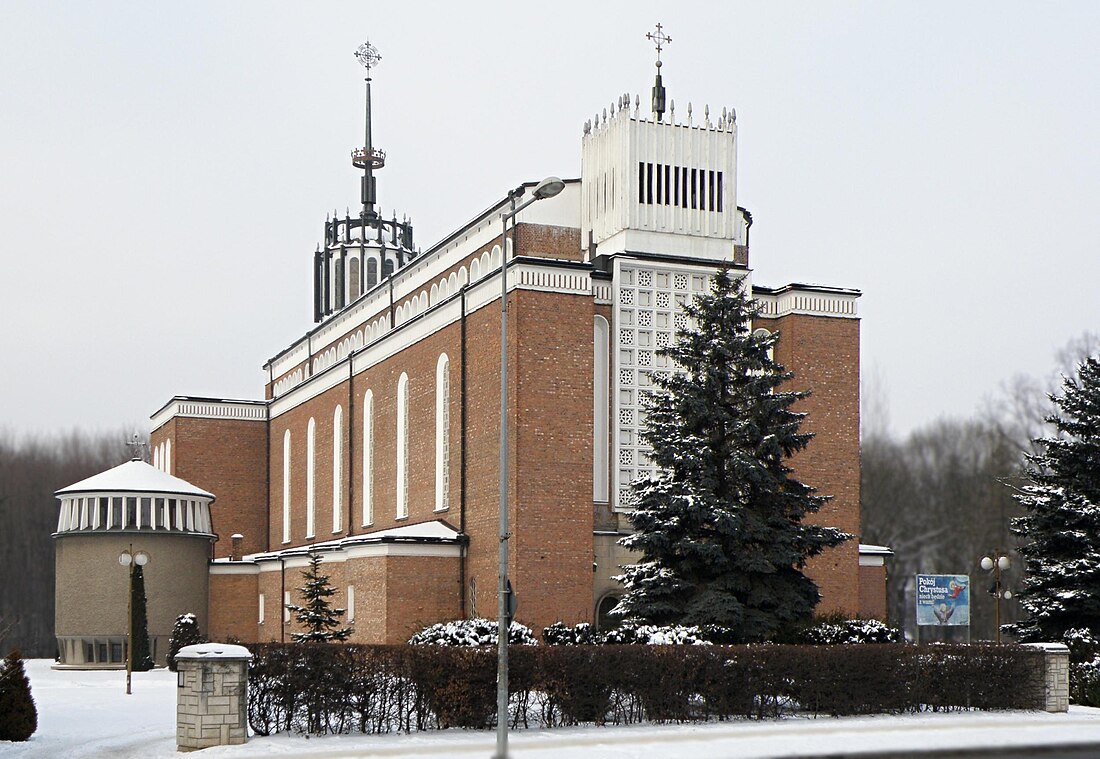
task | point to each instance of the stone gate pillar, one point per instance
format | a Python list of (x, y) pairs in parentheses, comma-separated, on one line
[(211, 695)]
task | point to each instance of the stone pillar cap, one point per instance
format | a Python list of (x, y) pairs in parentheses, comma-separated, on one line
[(1053, 647), (214, 651)]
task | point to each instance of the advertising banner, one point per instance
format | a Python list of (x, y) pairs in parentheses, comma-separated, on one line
[(943, 600)]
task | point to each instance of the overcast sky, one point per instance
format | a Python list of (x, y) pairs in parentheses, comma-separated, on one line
[(165, 170)]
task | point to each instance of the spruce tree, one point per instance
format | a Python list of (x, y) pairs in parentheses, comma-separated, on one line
[(185, 632), (18, 715), (139, 622), (1061, 591), (720, 528), (321, 620)]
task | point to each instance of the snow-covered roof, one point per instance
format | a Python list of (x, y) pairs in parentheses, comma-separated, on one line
[(871, 550), (214, 651), (135, 477), (437, 531)]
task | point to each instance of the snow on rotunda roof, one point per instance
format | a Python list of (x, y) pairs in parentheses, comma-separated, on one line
[(135, 477)]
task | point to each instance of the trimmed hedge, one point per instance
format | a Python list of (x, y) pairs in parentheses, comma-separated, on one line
[(333, 688)]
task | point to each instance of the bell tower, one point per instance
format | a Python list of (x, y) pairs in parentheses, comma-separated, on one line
[(658, 183)]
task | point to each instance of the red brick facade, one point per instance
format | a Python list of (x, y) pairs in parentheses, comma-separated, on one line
[(823, 354), (558, 567)]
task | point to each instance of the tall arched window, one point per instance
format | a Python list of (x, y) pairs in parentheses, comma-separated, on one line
[(286, 486), (372, 272), (156, 458), (402, 446), (337, 468), (167, 462), (311, 450), (600, 389), (442, 432), (368, 458)]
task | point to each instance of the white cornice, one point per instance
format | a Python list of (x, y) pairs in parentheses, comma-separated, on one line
[(808, 300), (546, 276), (210, 408)]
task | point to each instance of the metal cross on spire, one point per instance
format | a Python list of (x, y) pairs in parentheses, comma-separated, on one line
[(660, 39), (368, 55)]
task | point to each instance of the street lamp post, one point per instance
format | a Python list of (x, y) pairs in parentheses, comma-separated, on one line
[(130, 559), (547, 188), (997, 564)]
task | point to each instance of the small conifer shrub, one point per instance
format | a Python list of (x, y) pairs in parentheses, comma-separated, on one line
[(317, 614), (185, 632), (18, 715)]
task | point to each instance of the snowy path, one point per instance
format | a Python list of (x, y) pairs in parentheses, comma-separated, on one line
[(88, 714)]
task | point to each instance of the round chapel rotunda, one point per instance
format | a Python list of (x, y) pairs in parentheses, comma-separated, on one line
[(131, 513)]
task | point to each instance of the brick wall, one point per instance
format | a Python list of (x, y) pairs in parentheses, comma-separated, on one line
[(225, 457), (872, 592), (234, 607), (823, 353)]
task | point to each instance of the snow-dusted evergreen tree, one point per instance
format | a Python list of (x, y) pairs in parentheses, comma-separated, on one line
[(18, 714), (1061, 591), (185, 632), (139, 622), (318, 616), (720, 527)]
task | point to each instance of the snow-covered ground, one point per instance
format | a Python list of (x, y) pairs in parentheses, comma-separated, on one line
[(85, 714)]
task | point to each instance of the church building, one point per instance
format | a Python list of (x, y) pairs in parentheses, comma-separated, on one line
[(376, 442)]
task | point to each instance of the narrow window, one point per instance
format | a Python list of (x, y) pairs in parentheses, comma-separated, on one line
[(660, 186), (338, 283), (668, 193), (402, 446), (694, 188), (351, 603), (372, 272), (337, 468), (286, 486), (710, 190), (286, 603), (368, 458), (167, 461), (442, 432), (261, 605), (649, 183), (600, 411), (311, 435), (353, 278), (641, 182), (719, 192)]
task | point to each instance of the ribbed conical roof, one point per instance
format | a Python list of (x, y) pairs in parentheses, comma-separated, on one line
[(135, 477)]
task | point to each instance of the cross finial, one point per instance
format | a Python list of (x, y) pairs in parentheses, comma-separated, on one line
[(660, 39), (137, 447)]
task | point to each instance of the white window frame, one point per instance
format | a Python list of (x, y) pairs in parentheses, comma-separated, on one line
[(337, 468), (402, 447), (368, 458), (442, 432), (286, 485), (311, 478)]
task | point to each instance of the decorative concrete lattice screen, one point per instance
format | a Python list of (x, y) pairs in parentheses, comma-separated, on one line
[(648, 306)]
